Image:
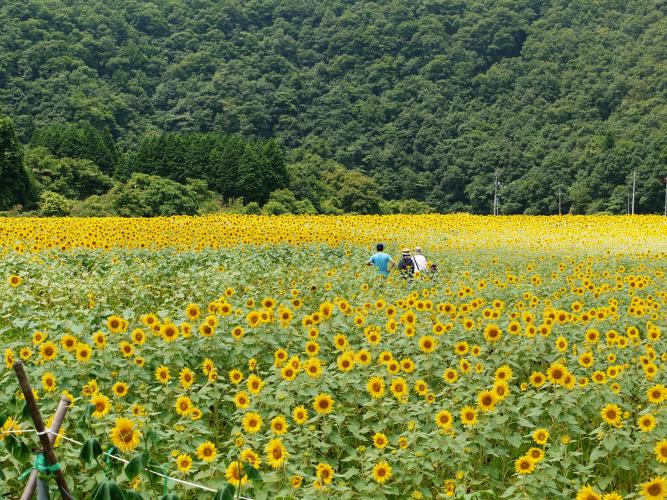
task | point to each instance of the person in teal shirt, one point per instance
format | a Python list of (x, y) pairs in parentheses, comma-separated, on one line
[(381, 260)]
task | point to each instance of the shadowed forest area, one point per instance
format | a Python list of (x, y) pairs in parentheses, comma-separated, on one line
[(149, 108)]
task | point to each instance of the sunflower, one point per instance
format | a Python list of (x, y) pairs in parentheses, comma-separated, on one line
[(524, 465), (586, 359), (183, 405), (235, 376), (486, 400), (235, 474), (162, 374), (324, 472), (25, 353), (468, 416), (399, 388), (312, 367), (48, 351), (450, 375), (312, 348), (124, 436), (382, 472), (254, 384), (242, 400), (279, 357), (296, 481), (587, 493), (207, 451), (149, 319), (561, 344), (169, 332), (186, 378), (556, 372), (385, 357), (206, 330), (138, 336), (14, 280), (427, 344), (444, 419), (541, 436), (252, 422), (656, 394), (91, 388), (120, 389), (340, 342), (9, 425), (380, 440), (116, 324), (238, 332), (393, 367), (421, 387), (655, 489), (276, 454), (192, 311), (184, 463), (279, 425), (323, 404), (38, 337), (49, 382), (612, 495), (363, 357), (101, 405), (537, 454), (126, 349), (646, 423), (500, 390), (345, 361), (83, 352), (138, 410), (611, 414), (288, 373), (592, 336), (661, 451), (492, 333), (599, 377), (250, 457), (504, 373), (68, 342), (300, 414), (100, 340)]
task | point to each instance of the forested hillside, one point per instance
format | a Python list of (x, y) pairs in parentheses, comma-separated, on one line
[(427, 97)]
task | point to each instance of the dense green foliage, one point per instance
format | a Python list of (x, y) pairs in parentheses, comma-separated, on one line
[(232, 166), (16, 187), (149, 195), (80, 140), (73, 178), (429, 97)]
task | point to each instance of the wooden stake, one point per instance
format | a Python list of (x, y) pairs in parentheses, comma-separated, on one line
[(58, 419), (49, 454)]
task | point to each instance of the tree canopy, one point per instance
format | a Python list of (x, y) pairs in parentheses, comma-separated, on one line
[(427, 97)]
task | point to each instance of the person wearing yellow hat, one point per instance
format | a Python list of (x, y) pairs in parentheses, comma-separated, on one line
[(406, 265)]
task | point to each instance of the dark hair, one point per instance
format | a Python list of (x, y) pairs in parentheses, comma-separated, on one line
[(380, 247)]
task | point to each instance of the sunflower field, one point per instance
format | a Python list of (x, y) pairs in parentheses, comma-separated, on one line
[(260, 357)]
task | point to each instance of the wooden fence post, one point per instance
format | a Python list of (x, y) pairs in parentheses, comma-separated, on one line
[(49, 454), (58, 419)]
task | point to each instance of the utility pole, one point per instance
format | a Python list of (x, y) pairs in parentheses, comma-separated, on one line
[(627, 204), (634, 185)]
